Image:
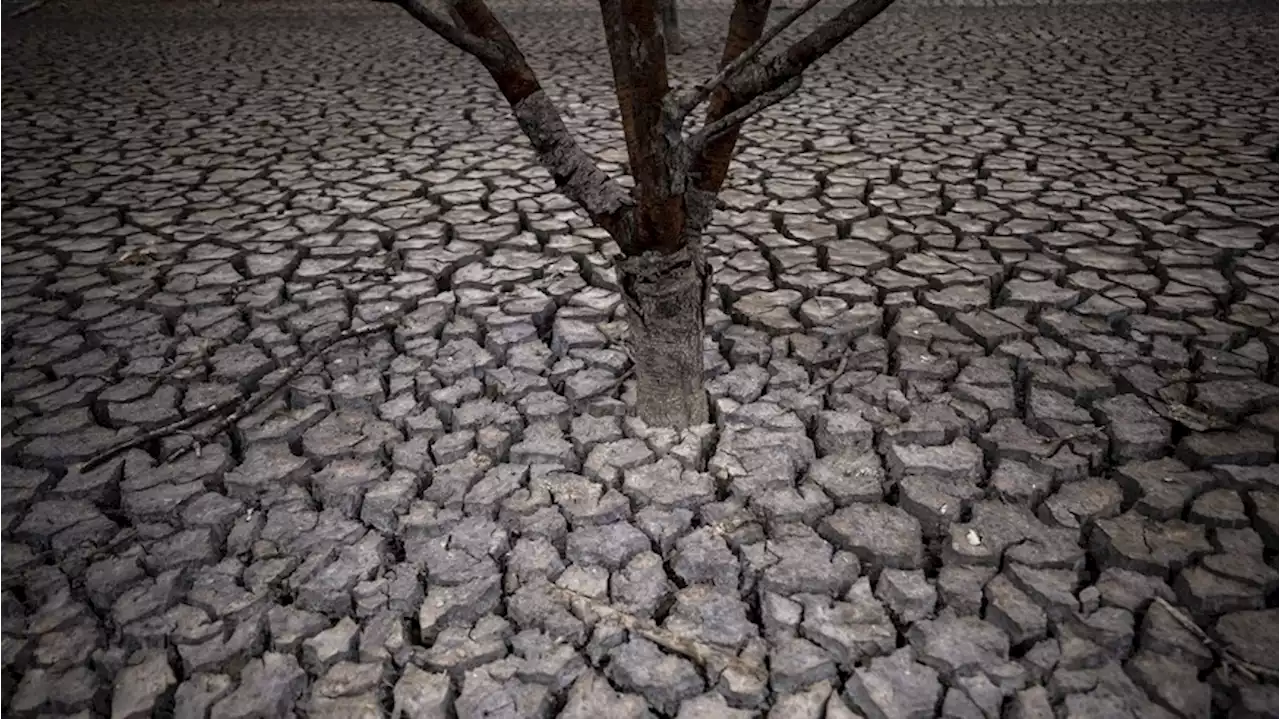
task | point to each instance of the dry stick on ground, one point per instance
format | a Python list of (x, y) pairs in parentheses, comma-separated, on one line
[(708, 657), (1056, 443), (27, 8), (190, 359), (626, 374), (822, 386), (238, 407), (1246, 668)]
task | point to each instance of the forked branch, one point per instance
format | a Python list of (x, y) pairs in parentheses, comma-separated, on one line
[(759, 77), (690, 99), (710, 165), (477, 31), (235, 408), (676, 179), (747, 76), (759, 103)]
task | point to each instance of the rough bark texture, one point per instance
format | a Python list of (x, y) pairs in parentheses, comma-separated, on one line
[(746, 24), (664, 279), (575, 173), (659, 224), (639, 57), (573, 170), (664, 293)]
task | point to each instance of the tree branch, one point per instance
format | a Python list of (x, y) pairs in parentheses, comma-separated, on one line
[(572, 169), (714, 659), (757, 78), (237, 407), (574, 172), (671, 27), (638, 54), (711, 164), (483, 50), (690, 99), (712, 130)]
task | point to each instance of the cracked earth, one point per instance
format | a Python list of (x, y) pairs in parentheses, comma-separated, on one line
[(1043, 242)]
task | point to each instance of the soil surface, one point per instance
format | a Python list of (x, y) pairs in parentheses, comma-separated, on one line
[(991, 350)]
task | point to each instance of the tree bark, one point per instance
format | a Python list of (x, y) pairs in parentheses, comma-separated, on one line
[(471, 26), (663, 279), (664, 294), (654, 146), (746, 25), (659, 224)]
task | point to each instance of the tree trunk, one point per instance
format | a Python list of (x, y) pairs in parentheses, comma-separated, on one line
[(665, 295), (659, 224), (671, 27)]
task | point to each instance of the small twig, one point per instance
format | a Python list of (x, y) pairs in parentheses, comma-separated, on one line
[(703, 654), (1056, 443), (92, 553), (172, 428), (690, 100), (822, 386), (1189, 417), (1246, 668), (237, 406), (727, 527), (256, 400), (28, 8), (712, 130), (189, 359), (626, 374)]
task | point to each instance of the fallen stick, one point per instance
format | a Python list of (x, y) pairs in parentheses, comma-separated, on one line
[(702, 654), (822, 386), (1056, 443), (239, 407), (1246, 668), (613, 387), (28, 8)]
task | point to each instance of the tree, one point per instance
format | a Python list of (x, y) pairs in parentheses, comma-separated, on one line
[(658, 225)]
